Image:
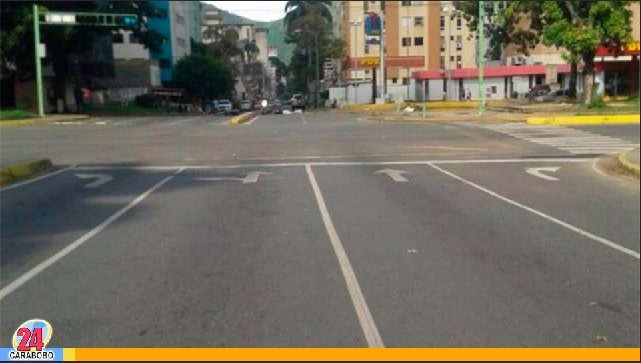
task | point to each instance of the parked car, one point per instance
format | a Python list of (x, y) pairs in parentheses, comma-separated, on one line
[(224, 106), (298, 102), (558, 95), (538, 90), (246, 105), (284, 105)]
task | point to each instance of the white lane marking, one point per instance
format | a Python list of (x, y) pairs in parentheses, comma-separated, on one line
[(16, 185), (335, 163), (23, 279), (365, 318), (183, 120), (538, 172), (561, 223)]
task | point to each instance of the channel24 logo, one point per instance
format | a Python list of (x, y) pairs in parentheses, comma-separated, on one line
[(30, 339)]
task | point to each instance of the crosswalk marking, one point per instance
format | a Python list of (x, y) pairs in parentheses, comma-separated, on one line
[(576, 142)]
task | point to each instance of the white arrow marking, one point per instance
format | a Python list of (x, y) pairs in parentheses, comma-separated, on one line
[(100, 179), (394, 174), (252, 176), (221, 178), (537, 172)]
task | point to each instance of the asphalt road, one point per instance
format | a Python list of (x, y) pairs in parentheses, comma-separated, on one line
[(318, 230)]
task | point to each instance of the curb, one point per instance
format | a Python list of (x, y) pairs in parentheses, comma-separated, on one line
[(584, 120), (45, 120), (630, 167), (18, 172), (242, 118)]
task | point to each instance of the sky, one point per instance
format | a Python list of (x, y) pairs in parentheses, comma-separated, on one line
[(254, 10)]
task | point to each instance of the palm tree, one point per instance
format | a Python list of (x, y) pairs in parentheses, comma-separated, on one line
[(297, 9)]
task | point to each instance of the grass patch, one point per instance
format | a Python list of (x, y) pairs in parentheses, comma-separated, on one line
[(14, 114)]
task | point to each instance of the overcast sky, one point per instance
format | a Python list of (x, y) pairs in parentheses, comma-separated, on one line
[(255, 10)]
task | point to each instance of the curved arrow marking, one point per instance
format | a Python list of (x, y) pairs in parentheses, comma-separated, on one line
[(538, 172)]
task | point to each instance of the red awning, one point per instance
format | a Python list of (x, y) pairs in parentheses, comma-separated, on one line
[(490, 72)]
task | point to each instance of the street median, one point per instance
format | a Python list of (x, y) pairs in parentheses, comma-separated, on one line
[(431, 105), (242, 118), (626, 164), (18, 172), (584, 120), (44, 120)]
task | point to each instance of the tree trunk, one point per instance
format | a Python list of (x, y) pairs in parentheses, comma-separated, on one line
[(573, 77), (588, 75)]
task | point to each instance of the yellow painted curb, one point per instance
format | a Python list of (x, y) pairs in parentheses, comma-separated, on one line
[(242, 118), (45, 120), (14, 173), (626, 164), (431, 105), (583, 120)]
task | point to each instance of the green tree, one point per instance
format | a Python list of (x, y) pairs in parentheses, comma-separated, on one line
[(581, 26), (297, 9), (200, 77), (63, 43)]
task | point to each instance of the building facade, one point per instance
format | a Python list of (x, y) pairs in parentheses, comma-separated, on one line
[(177, 29)]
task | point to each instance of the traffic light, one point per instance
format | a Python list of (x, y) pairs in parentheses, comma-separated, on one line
[(126, 21)]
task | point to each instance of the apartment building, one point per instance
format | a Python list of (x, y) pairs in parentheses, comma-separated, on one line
[(178, 29), (409, 34)]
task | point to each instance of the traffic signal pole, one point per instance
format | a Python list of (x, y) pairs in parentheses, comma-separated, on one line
[(36, 39)]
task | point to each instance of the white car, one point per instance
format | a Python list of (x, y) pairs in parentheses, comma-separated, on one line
[(224, 106), (245, 105)]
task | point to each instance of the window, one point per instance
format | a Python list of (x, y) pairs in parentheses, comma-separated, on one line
[(493, 90), (366, 5), (458, 22), (406, 81), (442, 22), (459, 42), (418, 41), (458, 62), (117, 38), (442, 43), (394, 80), (451, 58), (442, 63), (418, 21), (405, 21), (366, 48), (180, 19), (406, 3), (133, 39), (407, 41)]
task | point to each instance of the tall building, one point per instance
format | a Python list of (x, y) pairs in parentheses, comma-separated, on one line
[(177, 30), (411, 31)]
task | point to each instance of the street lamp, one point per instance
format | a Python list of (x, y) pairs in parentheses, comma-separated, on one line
[(355, 23), (298, 31), (449, 13)]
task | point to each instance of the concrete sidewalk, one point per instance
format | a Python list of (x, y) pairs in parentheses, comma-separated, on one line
[(44, 120)]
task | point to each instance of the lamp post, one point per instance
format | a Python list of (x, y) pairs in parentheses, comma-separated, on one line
[(317, 63), (355, 23), (448, 12)]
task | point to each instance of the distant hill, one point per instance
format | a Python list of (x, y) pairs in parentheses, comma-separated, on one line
[(275, 35)]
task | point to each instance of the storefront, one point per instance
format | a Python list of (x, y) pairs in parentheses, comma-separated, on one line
[(617, 69)]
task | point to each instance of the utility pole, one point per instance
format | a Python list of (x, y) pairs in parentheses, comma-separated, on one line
[(481, 55), (36, 39)]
